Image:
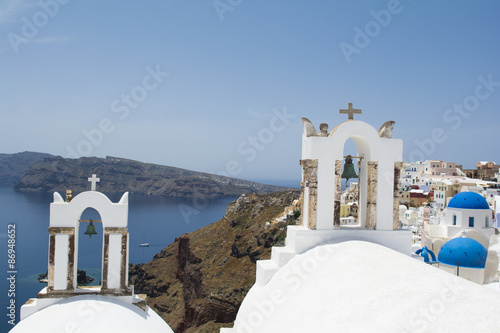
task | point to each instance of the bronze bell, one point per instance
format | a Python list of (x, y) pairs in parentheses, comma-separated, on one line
[(90, 230), (349, 171)]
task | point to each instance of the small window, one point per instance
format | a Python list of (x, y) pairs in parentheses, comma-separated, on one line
[(486, 222), (454, 220), (471, 222)]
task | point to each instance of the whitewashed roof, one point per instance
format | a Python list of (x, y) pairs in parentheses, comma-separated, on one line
[(92, 313), (358, 286)]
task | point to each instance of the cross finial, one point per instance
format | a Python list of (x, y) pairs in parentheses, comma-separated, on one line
[(350, 111), (93, 180)]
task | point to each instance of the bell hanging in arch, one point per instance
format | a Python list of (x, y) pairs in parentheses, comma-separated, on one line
[(90, 229), (349, 171)]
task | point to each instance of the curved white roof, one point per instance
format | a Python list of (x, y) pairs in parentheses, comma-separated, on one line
[(92, 313), (358, 286)]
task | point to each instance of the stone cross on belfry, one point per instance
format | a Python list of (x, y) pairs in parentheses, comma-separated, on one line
[(350, 111), (93, 180)]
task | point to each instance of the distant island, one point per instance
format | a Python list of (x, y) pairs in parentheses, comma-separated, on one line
[(39, 172)]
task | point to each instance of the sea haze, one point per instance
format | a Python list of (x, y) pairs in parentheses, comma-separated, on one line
[(152, 219)]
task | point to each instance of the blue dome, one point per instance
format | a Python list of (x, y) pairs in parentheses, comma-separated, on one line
[(468, 200), (467, 252)]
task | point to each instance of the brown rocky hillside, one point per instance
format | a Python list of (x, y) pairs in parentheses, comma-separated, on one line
[(198, 282)]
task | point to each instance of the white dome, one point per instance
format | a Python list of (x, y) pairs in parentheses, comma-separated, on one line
[(92, 313)]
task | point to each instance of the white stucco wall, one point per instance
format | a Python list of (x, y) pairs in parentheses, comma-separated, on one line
[(472, 274), (305, 213), (440, 198), (61, 262), (67, 214), (115, 242), (497, 211), (479, 215)]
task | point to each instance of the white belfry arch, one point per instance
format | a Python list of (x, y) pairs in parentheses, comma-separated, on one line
[(63, 242), (379, 173), (322, 156), (114, 307)]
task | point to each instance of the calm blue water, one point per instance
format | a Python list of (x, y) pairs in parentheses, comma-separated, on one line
[(155, 220)]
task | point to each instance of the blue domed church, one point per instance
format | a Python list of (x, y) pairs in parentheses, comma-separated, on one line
[(467, 230), (469, 213), (468, 210)]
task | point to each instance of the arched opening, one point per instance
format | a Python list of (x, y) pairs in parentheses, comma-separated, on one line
[(359, 148), (350, 149), (349, 198), (90, 249)]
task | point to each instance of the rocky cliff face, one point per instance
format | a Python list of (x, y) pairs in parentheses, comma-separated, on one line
[(120, 175), (14, 166), (198, 282)]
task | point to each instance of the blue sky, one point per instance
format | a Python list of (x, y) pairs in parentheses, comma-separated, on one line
[(220, 86)]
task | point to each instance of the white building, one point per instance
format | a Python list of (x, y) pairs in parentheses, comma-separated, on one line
[(468, 210), (414, 174), (441, 192), (497, 212), (490, 195), (467, 215), (411, 214), (441, 168)]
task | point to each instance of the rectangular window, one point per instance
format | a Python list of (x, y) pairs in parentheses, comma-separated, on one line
[(454, 220), (486, 222), (471, 222)]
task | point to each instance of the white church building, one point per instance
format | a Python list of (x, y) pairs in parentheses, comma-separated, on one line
[(330, 278), (465, 241), (64, 306), (467, 212)]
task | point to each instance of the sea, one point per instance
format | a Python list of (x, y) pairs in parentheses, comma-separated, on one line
[(24, 237)]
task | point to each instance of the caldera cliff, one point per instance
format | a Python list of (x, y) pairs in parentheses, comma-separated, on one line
[(198, 282)]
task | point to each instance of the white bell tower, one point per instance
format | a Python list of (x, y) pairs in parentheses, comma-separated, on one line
[(379, 162)]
